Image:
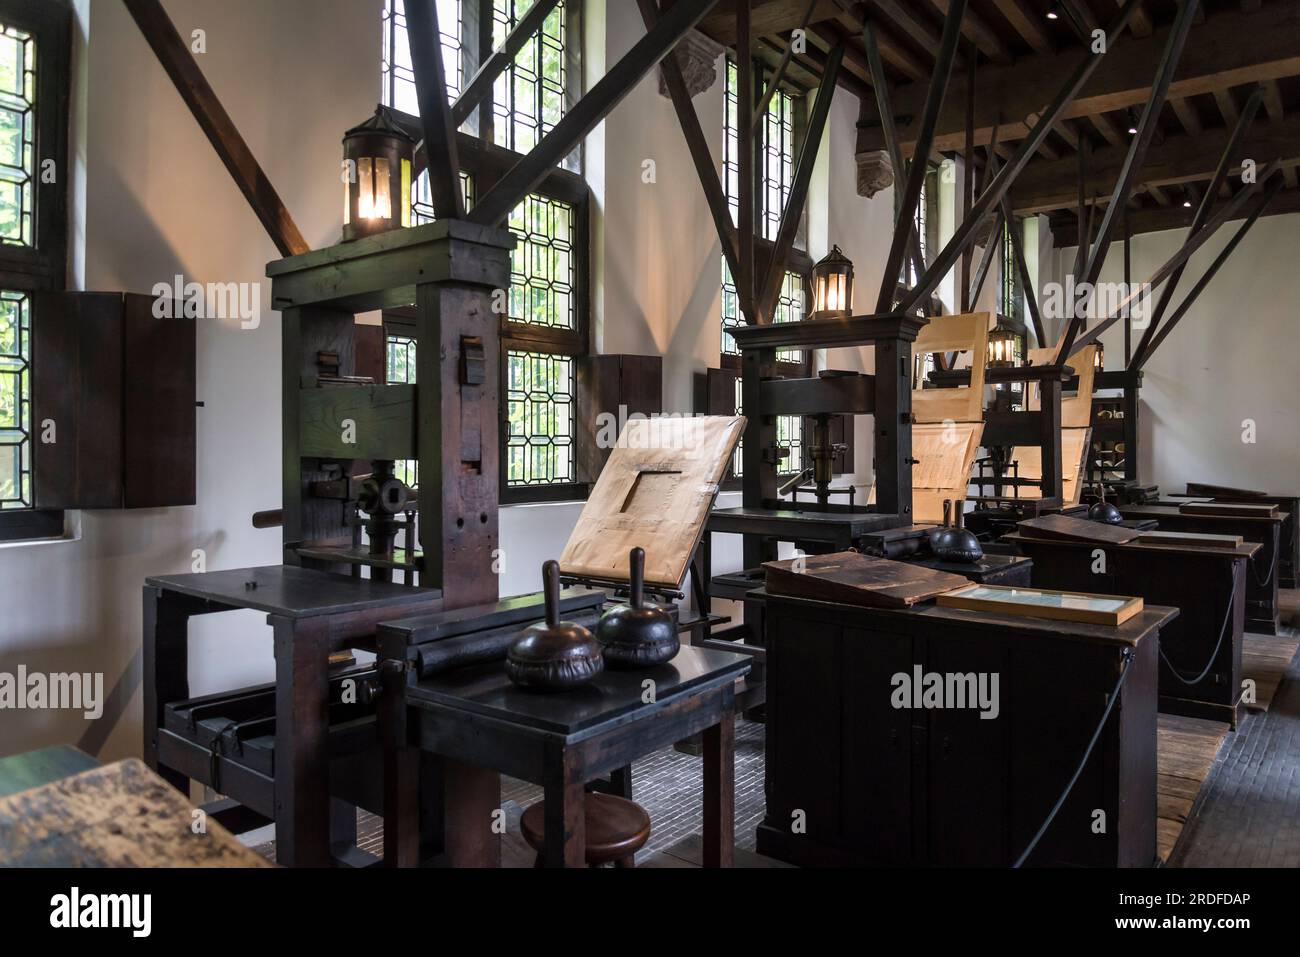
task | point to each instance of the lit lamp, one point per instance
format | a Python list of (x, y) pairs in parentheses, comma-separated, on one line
[(377, 160), (1003, 347), (1098, 362), (833, 286)]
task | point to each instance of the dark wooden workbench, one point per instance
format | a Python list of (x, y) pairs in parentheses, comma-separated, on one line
[(1262, 610), (312, 614), (483, 726), (1207, 585), (867, 783)]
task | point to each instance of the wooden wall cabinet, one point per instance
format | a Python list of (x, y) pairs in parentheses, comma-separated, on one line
[(115, 389), (607, 385)]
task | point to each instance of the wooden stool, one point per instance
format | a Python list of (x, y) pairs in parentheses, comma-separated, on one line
[(616, 829)]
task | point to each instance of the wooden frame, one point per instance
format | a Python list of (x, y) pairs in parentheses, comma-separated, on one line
[(42, 266), (1001, 600)]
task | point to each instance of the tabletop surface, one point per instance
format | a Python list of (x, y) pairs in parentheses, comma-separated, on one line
[(1142, 625), (612, 698), (119, 815), (1171, 512), (1244, 550), (866, 521), (293, 592)]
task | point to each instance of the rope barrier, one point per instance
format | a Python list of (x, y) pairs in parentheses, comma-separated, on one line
[(1114, 696)]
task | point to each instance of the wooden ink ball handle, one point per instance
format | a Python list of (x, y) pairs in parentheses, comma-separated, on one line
[(636, 573), (551, 592)]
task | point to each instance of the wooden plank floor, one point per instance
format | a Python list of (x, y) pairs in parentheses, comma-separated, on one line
[(1185, 753)]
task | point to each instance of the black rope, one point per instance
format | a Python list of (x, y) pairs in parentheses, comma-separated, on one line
[(1114, 696), (214, 753), (1232, 600)]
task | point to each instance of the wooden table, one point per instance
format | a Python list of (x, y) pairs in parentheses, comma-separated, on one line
[(854, 780), (312, 614), (1262, 610), (120, 815), (483, 726), (1289, 561), (32, 769), (1207, 585)]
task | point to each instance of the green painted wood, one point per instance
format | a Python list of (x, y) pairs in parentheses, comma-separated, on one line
[(381, 419), (21, 772)]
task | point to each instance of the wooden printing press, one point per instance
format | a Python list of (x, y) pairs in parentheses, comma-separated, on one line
[(917, 467), (827, 687), (305, 752)]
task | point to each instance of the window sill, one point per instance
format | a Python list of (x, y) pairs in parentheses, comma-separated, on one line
[(71, 533)]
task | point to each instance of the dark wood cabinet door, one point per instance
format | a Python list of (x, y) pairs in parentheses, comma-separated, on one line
[(113, 386), (876, 752)]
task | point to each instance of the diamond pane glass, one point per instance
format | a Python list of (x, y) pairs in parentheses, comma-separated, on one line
[(539, 418), (396, 70), (15, 401), (542, 264), (528, 98), (399, 369), (776, 169), (17, 135)]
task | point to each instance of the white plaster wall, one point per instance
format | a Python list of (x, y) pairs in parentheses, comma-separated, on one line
[(1232, 358), (152, 200)]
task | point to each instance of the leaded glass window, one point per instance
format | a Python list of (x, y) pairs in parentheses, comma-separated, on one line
[(399, 368), (1011, 301), (422, 197), (542, 263), (397, 71), (539, 418), (15, 401), (789, 436), (529, 97), (17, 135), (776, 159)]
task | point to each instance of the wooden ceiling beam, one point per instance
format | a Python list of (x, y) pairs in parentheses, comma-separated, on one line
[(1231, 49), (179, 64), (1154, 219), (813, 61), (899, 15), (1179, 159), (435, 110), (975, 28), (1026, 22), (1227, 104), (767, 17), (1104, 125), (1141, 24), (1186, 113), (1272, 100), (828, 36), (853, 17)]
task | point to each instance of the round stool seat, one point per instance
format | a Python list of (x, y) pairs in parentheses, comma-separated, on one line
[(616, 828)]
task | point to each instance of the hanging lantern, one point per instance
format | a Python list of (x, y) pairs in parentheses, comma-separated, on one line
[(1098, 362), (1004, 349), (377, 159), (833, 286)]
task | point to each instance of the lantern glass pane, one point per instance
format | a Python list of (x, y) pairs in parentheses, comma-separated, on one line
[(383, 189), (406, 192), (365, 188)]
